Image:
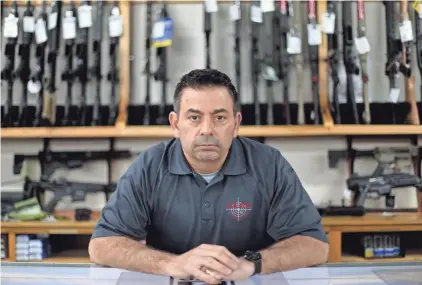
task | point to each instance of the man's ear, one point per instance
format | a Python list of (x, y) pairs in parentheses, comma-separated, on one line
[(174, 121), (238, 120)]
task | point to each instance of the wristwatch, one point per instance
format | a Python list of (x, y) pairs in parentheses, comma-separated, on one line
[(256, 258)]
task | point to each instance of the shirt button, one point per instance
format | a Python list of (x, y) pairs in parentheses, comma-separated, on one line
[(207, 204)]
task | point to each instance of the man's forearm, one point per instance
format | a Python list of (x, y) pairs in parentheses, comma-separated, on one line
[(125, 253), (292, 253)]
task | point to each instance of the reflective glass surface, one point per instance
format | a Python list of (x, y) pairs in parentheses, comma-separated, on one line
[(409, 273)]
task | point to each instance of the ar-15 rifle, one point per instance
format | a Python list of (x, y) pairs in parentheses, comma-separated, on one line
[(51, 161), (285, 9), (236, 17), (349, 57), (147, 71), (314, 61), (256, 21), (49, 110), (62, 188), (23, 71), (96, 68), (11, 33)]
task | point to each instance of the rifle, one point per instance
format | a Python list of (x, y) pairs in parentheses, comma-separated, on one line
[(267, 69), (147, 71), (161, 73), (418, 33), (256, 20), (35, 84), (349, 57), (333, 59), (62, 188), (69, 35), (49, 110), (209, 7), (113, 74), (406, 35), (96, 68), (295, 8), (51, 161), (23, 71), (285, 9), (394, 52), (313, 57), (11, 33), (237, 55), (363, 56), (81, 71)]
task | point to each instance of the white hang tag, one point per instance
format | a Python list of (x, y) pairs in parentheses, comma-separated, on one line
[(256, 14), (394, 95), (40, 31), (84, 16), (420, 11), (267, 6), (34, 87), (52, 21), (314, 35), (235, 12), (406, 33), (362, 45), (69, 28), (328, 23), (115, 26), (159, 29), (28, 24), (294, 44), (10, 29), (211, 6)]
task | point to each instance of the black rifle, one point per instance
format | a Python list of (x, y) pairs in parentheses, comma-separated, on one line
[(207, 31), (24, 70), (161, 74), (255, 62), (237, 53), (113, 73), (49, 110), (333, 60), (63, 188), (50, 161), (394, 48), (284, 55), (418, 33), (314, 60), (81, 71), (68, 74), (35, 85), (148, 71), (96, 69), (349, 57), (8, 69)]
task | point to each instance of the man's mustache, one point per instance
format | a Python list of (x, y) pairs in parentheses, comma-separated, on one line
[(207, 140)]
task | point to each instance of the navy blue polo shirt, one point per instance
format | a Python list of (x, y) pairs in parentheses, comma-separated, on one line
[(255, 200)]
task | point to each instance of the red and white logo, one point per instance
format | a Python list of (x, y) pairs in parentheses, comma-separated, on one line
[(238, 210)]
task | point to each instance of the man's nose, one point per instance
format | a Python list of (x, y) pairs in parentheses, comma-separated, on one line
[(207, 127)]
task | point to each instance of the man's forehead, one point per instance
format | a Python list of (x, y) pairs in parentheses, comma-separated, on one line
[(207, 97)]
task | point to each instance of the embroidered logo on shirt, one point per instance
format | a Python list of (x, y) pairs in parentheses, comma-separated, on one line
[(238, 210)]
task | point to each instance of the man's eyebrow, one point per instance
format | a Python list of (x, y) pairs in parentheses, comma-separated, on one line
[(220, 110), (191, 110)]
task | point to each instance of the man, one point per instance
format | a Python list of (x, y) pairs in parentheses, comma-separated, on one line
[(209, 204)]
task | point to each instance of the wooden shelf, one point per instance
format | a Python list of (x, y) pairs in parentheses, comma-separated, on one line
[(247, 131), (408, 257)]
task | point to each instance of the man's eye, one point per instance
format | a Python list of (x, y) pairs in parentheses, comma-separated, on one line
[(220, 118), (194, 118)]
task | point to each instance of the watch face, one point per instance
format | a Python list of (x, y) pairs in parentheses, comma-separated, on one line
[(252, 256)]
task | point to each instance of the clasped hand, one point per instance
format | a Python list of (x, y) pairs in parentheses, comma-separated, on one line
[(209, 263)]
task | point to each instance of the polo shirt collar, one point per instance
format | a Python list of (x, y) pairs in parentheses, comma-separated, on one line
[(235, 163)]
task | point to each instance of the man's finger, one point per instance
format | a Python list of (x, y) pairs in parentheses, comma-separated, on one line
[(221, 249), (221, 257), (208, 278), (216, 266)]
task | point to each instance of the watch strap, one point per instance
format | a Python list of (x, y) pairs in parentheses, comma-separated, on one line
[(258, 267)]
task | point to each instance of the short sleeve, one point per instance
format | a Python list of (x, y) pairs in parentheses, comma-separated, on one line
[(126, 213), (292, 211)]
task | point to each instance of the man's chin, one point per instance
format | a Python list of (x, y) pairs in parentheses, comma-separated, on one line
[(207, 155)]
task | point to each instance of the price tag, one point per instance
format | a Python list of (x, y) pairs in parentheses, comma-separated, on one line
[(267, 6), (394, 94), (158, 29), (328, 23), (28, 24), (314, 35), (294, 44), (235, 12), (362, 45), (211, 6), (40, 31), (406, 33), (69, 28), (52, 21), (256, 14), (10, 29), (115, 26), (34, 87), (84, 16), (420, 11)]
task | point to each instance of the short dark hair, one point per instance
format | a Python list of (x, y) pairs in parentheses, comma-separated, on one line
[(199, 78)]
